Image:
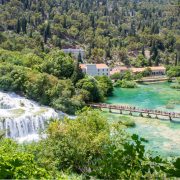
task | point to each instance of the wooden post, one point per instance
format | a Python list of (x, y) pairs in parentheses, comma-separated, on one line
[(130, 113), (120, 111), (110, 110), (141, 114), (148, 116), (170, 118), (156, 116)]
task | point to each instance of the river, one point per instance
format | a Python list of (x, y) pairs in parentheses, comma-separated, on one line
[(163, 137)]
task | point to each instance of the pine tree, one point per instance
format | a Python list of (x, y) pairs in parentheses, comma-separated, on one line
[(45, 36), (42, 46), (89, 52), (108, 53), (47, 32), (77, 73), (92, 18), (24, 24), (133, 28), (157, 59), (143, 51), (177, 59), (64, 22), (18, 26), (58, 43), (79, 58), (150, 61)]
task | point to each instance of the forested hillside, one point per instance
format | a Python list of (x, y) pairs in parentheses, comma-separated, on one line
[(113, 31), (134, 33)]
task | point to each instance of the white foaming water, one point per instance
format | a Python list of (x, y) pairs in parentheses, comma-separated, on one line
[(23, 119)]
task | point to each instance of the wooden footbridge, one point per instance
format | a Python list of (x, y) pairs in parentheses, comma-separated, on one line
[(142, 112)]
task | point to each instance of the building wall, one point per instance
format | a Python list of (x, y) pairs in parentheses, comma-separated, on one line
[(91, 69), (103, 72), (75, 52), (158, 72)]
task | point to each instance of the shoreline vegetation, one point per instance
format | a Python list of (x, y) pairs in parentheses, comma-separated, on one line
[(125, 84), (64, 153), (128, 80), (176, 85)]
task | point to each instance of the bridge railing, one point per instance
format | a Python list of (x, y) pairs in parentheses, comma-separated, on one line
[(136, 109)]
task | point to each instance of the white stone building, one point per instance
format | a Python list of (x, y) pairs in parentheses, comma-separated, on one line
[(75, 52), (155, 70), (95, 69)]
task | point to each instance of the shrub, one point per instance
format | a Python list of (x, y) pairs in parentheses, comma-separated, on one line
[(125, 84)]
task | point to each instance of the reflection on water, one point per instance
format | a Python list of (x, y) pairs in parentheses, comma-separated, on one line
[(163, 137)]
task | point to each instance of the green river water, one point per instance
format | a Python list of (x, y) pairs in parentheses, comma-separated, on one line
[(163, 136)]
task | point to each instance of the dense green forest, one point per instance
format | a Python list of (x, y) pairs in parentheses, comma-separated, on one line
[(133, 32)]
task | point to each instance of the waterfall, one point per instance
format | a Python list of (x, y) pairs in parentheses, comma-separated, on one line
[(20, 117)]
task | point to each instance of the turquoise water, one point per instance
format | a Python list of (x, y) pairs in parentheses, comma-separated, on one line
[(163, 137), (154, 96)]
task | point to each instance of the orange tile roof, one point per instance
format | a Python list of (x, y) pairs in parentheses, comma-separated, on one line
[(120, 68), (155, 68), (114, 71), (137, 69), (158, 68), (99, 66), (82, 66)]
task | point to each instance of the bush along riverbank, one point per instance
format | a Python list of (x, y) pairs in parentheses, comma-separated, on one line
[(176, 85), (125, 84)]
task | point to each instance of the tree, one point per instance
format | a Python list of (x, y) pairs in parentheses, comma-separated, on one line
[(47, 32), (90, 85), (147, 72), (77, 73), (18, 26), (94, 148), (80, 58), (17, 164), (157, 59), (24, 25), (140, 61), (143, 51), (58, 64), (105, 84)]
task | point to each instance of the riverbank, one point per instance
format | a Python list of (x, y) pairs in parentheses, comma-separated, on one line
[(154, 79)]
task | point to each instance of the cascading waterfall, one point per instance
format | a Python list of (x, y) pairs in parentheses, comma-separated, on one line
[(20, 117)]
